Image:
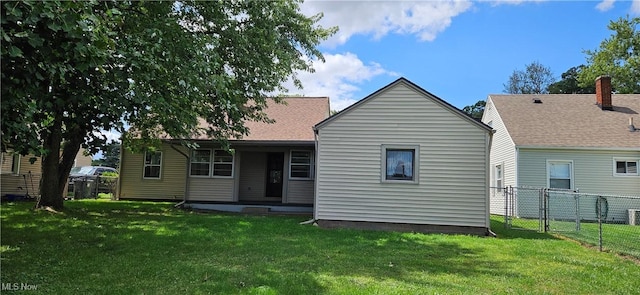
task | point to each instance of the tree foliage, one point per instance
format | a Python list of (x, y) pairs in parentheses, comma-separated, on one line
[(475, 110), (535, 79), (569, 83), (110, 156), (71, 69), (618, 57)]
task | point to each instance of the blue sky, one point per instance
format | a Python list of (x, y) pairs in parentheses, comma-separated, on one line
[(461, 51)]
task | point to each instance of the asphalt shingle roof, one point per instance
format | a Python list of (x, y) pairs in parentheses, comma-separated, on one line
[(569, 120), (294, 120)]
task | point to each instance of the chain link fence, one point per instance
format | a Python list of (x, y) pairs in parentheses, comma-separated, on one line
[(610, 222)]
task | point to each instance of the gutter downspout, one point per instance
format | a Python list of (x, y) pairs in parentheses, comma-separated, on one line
[(516, 178), (315, 189), (187, 180), (487, 181)]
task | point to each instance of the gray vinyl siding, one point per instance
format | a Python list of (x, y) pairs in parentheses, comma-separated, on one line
[(253, 177), (171, 184), (592, 174), (211, 189), (593, 170), (503, 152), (300, 191), (452, 180)]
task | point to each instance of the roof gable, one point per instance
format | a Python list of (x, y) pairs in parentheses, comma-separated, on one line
[(568, 120), (406, 83)]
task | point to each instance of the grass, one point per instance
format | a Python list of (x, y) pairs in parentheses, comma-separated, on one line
[(619, 238), (108, 247)]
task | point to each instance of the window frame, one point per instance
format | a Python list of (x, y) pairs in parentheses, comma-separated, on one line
[(145, 165), (213, 164), (626, 160), (415, 165), (496, 168), (571, 173), (210, 162), (15, 163), (310, 165)]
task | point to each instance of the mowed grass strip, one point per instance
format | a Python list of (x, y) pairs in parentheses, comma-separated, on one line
[(109, 247), (618, 238)]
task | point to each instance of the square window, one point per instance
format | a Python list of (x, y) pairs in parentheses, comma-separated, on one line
[(399, 163)]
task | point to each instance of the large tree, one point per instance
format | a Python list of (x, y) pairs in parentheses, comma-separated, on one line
[(618, 57), (535, 79), (72, 69), (569, 83)]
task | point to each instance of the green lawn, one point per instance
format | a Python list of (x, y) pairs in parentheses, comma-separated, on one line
[(621, 238), (108, 247)]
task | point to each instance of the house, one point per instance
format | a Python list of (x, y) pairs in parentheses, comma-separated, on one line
[(584, 142), (18, 175), (272, 165), (402, 158)]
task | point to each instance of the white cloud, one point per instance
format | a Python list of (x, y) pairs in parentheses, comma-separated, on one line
[(338, 78), (605, 5), (635, 7), (425, 19)]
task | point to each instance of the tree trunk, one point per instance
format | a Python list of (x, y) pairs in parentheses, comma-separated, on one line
[(69, 152), (50, 193), (56, 166)]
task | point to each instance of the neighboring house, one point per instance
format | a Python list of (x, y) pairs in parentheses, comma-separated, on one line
[(19, 175), (274, 164), (584, 142), (402, 158)]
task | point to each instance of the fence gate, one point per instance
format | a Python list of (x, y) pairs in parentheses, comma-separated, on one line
[(524, 208)]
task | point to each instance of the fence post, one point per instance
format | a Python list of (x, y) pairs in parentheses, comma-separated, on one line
[(506, 194), (577, 197), (599, 202), (545, 195), (540, 210)]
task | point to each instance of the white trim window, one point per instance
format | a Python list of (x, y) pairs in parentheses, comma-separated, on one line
[(560, 174), (15, 164), (300, 165), (499, 175), (152, 165), (625, 167), (200, 165), (222, 163), (400, 163)]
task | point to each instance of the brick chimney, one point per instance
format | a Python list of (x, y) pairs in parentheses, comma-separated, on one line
[(603, 92)]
